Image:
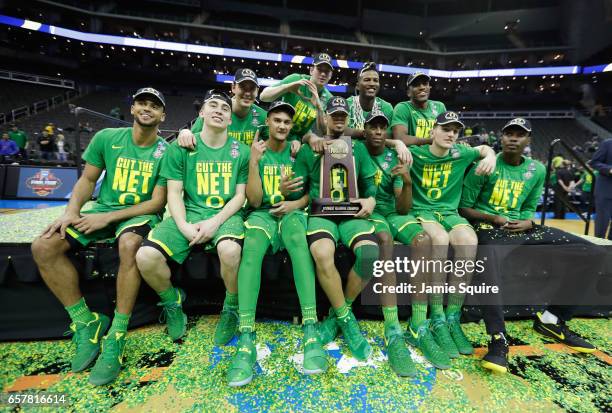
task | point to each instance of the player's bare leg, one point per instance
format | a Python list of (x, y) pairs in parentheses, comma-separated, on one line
[(229, 252)]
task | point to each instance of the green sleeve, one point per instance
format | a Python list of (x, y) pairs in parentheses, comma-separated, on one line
[(472, 185), (367, 188), (289, 79), (441, 107), (94, 154), (530, 204), (173, 163), (472, 153), (366, 170), (401, 115), (197, 125), (243, 173)]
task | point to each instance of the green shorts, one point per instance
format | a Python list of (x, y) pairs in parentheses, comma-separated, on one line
[(140, 225), (380, 223), (346, 230), (168, 239), (405, 227), (448, 219), (272, 225)]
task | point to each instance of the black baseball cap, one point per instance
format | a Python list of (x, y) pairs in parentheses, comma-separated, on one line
[(447, 118), (280, 105), (519, 122), (217, 94), (415, 76), (337, 104), (245, 74), (376, 114), (322, 59), (367, 66), (149, 91)]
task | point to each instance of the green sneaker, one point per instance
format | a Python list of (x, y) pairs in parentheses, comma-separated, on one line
[(328, 328), (243, 362), (174, 317), (109, 363), (356, 342), (424, 341), (87, 337), (315, 358), (226, 327), (439, 329), (397, 352), (454, 326)]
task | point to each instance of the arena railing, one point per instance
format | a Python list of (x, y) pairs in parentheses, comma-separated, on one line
[(551, 152)]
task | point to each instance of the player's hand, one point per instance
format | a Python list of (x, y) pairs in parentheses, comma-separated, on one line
[(258, 147), (367, 207), (318, 144), (295, 147), (314, 98), (486, 166), (288, 184), (282, 208), (403, 154), (518, 225), (294, 87), (500, 221), (403, 171), (60, 224), (188, 230), (89, 223), (186, 139), (205, 231)]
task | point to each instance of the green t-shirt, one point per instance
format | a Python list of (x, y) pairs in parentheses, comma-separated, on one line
[(305, 112), (19, 137), (357, 116), (587, 181), (385, 182), (270, 166), (131, 171), (308, 166), (241, 129), (209, 175), (418, 121), (437, 181), (511, 191)]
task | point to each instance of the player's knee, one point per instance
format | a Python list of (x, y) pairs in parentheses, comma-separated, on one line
[(147, 259), (422, 241), (366, 253), (229, 252), (294, 238), (386, 239), (129, 244), (44, 249), (465, 237), (323, 254), (439, 238)]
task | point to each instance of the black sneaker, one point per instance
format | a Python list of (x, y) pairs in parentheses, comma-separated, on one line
[(561, 333), (497, 357)]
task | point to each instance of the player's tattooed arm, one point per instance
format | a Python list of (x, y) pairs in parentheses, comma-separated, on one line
[(400, 132), (81, 193), (403, 195)]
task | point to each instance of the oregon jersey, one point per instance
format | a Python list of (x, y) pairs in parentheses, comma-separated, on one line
[(241, 129), (305, 112), (270, 166), (385, 182), (131, 171), (419, 122), (511, 191), (209, 175), (308, 166), (357, 116), (437, 181)]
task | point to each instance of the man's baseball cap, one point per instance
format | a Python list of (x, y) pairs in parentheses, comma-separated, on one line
[(519, 122), (278, 105), (376, 114), (245, 74), (415, 76), (217, 94), (367, 66), (448, 117), (322, 59), (149, 91), (337, 104)]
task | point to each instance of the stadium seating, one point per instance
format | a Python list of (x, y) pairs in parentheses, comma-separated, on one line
[(605, 121), (17, 94)]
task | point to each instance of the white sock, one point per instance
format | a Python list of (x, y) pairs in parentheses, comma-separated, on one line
[(549, 318)]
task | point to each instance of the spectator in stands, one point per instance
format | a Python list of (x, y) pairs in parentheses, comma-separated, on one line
[(557, 161), (602, 162), (62, 148), (564, 185), (8, 149), (46, 145), (468, 132), (21, 139), (585, 183), (50, 128), (116, 112), (84, 127)]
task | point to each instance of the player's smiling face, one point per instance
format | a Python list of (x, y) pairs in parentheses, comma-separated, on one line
[(147, 112), (321, 75), (336, 122), (445, 136), (217, 114), (280, 124), (368, 83), (514, 140), (245, 93), (376, 133), (419, 90)]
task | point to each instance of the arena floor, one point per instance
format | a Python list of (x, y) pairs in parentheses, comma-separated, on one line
[(190, 376)]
